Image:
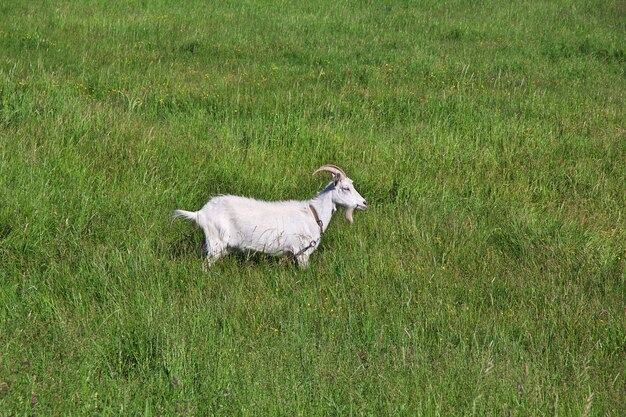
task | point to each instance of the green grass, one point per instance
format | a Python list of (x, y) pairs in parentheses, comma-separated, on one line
[(486, 278)]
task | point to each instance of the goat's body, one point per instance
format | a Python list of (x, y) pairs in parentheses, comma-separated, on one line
[(275, 228)]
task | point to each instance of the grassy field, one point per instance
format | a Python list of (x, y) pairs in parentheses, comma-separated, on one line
[(486, 278)]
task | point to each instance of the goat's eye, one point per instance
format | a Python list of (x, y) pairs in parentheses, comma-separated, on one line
[(345, 189)]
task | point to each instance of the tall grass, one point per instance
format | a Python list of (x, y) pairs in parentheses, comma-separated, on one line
[(487, 277)]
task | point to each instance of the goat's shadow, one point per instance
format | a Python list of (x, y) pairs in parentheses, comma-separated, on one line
[(187, 244), (259, 259)]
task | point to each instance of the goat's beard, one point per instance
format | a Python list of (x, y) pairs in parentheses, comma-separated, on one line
[(349, 211)]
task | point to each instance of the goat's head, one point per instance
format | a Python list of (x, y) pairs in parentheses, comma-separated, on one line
[(343, 192)]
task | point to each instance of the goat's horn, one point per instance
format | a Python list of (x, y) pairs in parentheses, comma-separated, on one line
[(333, 169)]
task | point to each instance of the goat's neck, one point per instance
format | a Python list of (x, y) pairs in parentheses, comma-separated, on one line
[(324, 206)]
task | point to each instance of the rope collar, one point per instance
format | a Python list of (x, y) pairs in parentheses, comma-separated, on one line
[(317, 219), (313, 242)]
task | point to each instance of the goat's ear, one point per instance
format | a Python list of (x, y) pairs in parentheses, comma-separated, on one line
[(336, 178)]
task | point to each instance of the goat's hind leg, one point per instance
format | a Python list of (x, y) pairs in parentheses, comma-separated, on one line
[(215, 251), (215, 247)]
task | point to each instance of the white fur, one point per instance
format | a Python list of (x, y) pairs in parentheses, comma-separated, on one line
[(276, 228)]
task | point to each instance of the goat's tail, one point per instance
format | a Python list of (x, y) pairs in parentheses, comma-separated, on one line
[(189, 215)]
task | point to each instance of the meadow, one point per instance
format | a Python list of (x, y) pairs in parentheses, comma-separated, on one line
[(485, 278)]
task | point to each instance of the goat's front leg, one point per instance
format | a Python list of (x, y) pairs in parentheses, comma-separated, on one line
[(302, 256), (303, 260)]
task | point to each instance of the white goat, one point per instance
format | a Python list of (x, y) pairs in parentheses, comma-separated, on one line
[(278, 227)]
